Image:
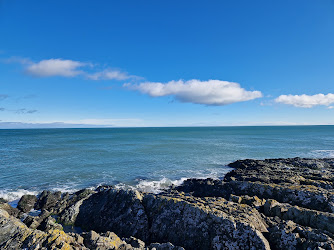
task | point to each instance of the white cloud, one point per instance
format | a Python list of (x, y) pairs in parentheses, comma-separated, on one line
[(211, 92), (109, 74), (306, 101), (55, 67), (68, 68)]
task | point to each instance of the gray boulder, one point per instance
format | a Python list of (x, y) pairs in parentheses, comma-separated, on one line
[(27, 202), (48, 200), (120, 211)]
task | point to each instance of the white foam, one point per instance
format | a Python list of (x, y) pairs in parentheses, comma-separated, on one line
[(328, 153), (158, 186), (12, 195), (124, 186), (150, 186), (65, 189)]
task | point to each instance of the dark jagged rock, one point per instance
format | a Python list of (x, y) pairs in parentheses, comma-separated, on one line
[(56, 202), (48, 224), (252, 201), (203, 187), (289, 235), (34, 222), (302, 216), (27, 202), (164, 246), (9, 209), (48, 200), (134, 242), (15, 235), (317, 172), (302, 182), (261, 204), (106, 241), (299, 192), (120, 211), (300, 195)]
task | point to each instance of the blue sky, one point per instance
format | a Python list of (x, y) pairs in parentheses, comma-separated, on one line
[(166, 63)]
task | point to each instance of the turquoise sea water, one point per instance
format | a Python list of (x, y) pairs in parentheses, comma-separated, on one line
[(32, 160)]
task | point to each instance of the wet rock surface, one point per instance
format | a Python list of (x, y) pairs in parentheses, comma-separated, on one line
[(260, 204)]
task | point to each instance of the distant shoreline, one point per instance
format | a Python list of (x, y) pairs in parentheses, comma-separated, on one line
[(111, 127)]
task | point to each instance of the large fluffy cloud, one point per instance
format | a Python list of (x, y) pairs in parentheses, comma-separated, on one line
[(211, 92), (55, 67), (306, 101)]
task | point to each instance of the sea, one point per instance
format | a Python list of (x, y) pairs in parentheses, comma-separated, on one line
[(148, 159)]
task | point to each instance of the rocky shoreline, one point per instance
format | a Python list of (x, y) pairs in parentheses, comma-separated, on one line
[(260, 204)]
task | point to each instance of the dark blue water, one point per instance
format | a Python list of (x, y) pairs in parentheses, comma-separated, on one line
[(69, 159)]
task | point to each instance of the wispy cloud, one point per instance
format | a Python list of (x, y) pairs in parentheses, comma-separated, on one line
[(211, 92), (20, 111), (17, 59), (3, 97), (25, 97), (306, 101), (69, 68), (110, 74), (26, 111)]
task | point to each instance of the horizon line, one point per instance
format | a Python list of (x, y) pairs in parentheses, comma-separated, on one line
[(188, 126)]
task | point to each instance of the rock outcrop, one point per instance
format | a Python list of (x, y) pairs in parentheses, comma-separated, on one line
[(204, 223), (27, 202), (295, 197), (260, 204), (115, 210), (15, 235)]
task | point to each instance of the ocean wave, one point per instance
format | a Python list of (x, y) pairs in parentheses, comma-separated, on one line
[(149, 186), (158, 186), (12, 195), (328, 153), (65, 189)]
